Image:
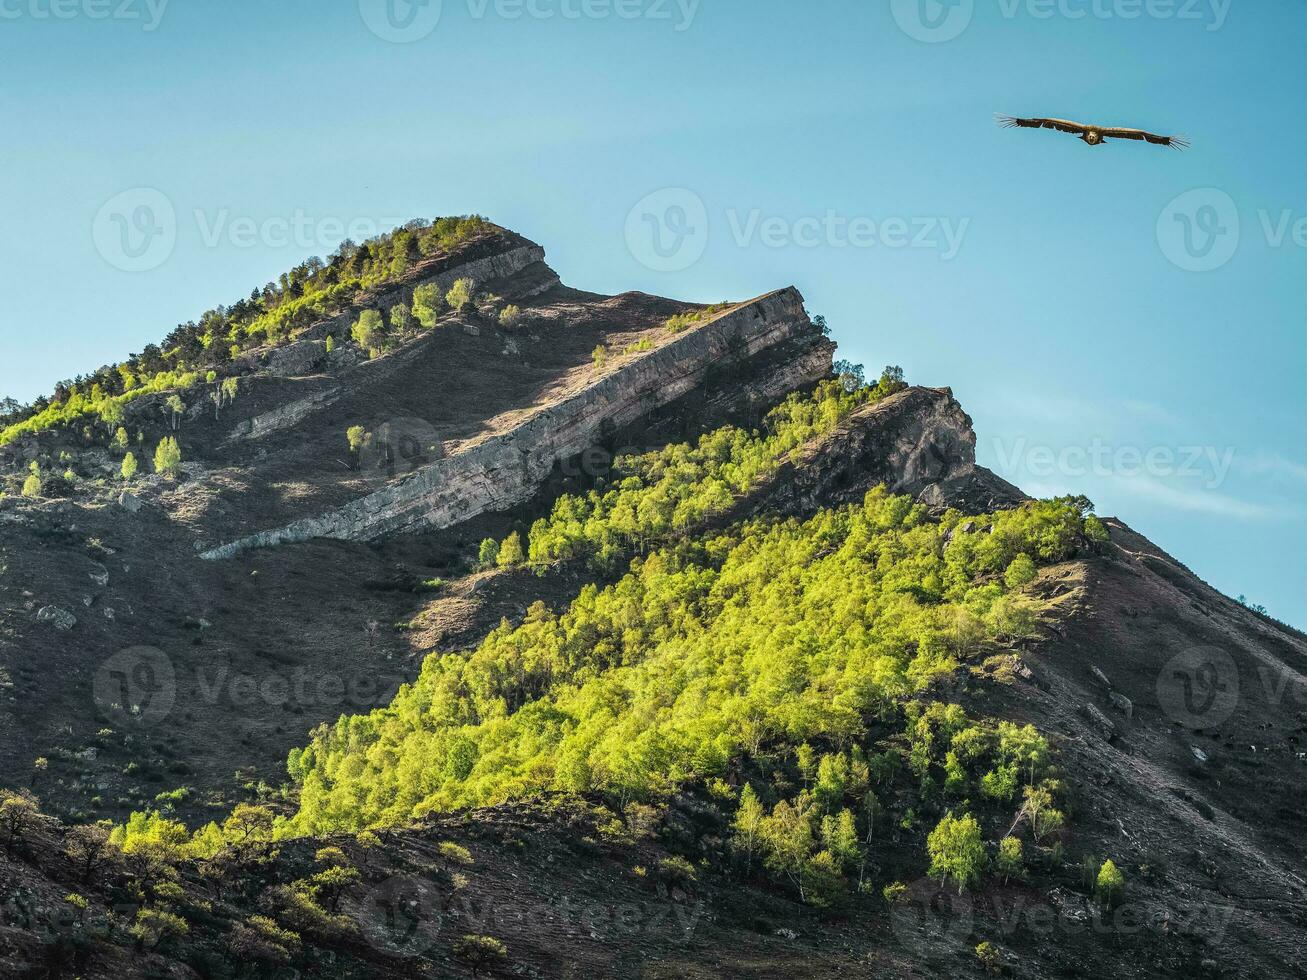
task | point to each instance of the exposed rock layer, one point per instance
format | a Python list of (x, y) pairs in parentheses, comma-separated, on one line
[(507, 469)]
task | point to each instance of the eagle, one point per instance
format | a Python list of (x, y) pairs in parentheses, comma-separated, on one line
[(1094, 135)]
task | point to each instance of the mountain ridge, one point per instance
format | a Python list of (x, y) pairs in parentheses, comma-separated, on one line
[(544, 494)]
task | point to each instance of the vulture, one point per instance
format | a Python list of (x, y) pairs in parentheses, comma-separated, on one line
[(1093, 135)]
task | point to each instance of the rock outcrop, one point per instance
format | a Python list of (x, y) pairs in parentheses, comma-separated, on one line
[(503, 470)]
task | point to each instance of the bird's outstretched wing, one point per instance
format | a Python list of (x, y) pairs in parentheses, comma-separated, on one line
[(1179, 142), (1062, 125)]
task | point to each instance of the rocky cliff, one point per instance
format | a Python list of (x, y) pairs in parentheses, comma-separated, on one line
[(506, 469)]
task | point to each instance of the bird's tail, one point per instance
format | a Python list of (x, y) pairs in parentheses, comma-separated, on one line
[(1180, 143), (1007, 122)]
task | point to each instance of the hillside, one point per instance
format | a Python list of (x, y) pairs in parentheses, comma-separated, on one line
[(557, 634)]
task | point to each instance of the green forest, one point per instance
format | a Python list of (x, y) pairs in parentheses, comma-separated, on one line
[(779, 667)]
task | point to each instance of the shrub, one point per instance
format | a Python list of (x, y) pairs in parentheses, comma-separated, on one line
[(260, 938), (331, 343), (357, 437), (894, 892), (509, 316), (990, 958), (599, 355), (455, 852), (460, 294), (153, 926), (1020, 573), (480, 951), (32, 486)]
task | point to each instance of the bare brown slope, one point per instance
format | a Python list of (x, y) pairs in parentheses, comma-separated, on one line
[(1180, 717)]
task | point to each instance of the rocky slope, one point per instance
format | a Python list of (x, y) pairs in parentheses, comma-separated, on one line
[(192, 630)]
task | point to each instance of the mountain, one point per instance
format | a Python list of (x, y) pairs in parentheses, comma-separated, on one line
[(470, 624)]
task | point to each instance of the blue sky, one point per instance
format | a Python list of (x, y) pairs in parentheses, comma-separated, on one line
[(1123, 321)]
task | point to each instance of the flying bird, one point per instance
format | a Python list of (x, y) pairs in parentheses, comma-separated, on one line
[(1094, 135)]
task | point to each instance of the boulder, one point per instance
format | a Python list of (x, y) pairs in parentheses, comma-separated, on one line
[(59, 618), (1122, 704)]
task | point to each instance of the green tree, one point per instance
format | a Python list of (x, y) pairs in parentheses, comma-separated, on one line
[(488, 555), (357, 437), (839, 836), (1009, 862), (510, 552), (1110, 885), (956, 851), (120, 440), (460, 294), (368, 330), (748, 819), (1021, 572), (600, 356), (427, 304), (129, 467), (401, 317), (788, 841), (174, 408), (168, 457), (19, 813), (32, 485)]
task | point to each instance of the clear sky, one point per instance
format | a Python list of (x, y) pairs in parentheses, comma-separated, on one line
[(1108, 335)]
